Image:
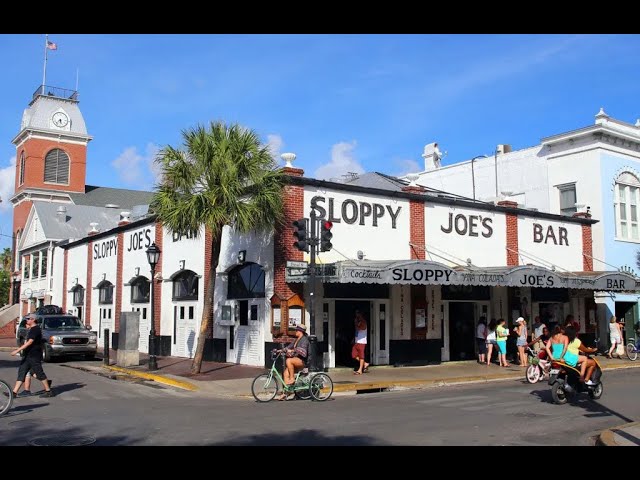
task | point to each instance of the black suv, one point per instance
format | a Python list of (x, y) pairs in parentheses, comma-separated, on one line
[(62, 335)]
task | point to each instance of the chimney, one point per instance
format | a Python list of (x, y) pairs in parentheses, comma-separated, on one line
[(503, 148), (125, 217), (94, 228), (432, 157), (61, 213)]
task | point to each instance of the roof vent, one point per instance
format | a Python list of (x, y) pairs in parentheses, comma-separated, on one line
[(125, 217), (94, 228), (61, 212), (111, 205)]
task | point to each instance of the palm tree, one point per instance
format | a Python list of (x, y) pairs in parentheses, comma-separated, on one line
[(222, 175), (5, 259)]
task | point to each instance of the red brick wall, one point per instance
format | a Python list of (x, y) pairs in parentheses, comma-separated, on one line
[(36, 149), (119, 260), (20, 214), (89, 287), (9, 330), (157, 286), (64, 281), (416, 232), (587, 248), (283, 242), (512, 234)]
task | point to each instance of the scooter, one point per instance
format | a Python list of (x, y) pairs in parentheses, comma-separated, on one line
[(538, 367), (565, 382)]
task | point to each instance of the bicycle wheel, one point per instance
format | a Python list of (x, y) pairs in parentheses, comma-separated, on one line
[(264, 387), (6, 397), (321, 387), (533, 374), (632, 353)]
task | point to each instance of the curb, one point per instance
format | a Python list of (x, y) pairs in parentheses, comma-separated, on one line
[(607, 437), (156, 378)]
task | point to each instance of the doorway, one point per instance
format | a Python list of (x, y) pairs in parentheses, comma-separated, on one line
[(345, 330), (461, 330), (625, 313)]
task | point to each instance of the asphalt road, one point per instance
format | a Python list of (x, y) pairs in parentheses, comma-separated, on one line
[(92, 409)]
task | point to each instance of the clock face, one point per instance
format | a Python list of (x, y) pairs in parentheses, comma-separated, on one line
[(60, 119)]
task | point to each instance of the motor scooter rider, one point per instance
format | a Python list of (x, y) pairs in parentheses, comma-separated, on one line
[(587, 365)]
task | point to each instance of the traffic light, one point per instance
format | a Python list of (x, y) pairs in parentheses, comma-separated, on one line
[(301, 234), (325, 235)]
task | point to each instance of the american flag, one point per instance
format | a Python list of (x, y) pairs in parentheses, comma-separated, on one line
[(51, 45)]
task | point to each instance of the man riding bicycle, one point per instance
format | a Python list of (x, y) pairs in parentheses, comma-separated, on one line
[(296, 353)]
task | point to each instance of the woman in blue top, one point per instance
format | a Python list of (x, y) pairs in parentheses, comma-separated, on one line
[(557, 345)]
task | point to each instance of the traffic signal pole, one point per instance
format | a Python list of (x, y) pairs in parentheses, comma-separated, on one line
[(313, 340)]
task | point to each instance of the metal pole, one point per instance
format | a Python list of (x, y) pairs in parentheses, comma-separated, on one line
[(473, 178), (313, 340), (495, 160), (105, 355), (153, 364), (44, 73)]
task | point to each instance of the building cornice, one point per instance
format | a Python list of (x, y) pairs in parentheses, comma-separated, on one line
[(628, 136), (46, 134), (108, 233), (46, 195)]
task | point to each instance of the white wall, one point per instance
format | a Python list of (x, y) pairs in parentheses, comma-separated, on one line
[(460, 233), (550, 242), (34, 233), (104, 253), (562, 170), (77, 269), (348, 238), (57, 292)]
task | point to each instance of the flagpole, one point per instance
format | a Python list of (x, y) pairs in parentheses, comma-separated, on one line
[(44, 72)]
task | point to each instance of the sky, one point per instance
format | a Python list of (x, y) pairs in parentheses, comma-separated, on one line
[(341, 102)]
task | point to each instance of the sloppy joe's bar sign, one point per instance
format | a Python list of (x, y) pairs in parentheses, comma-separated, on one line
[(353, 212), (428, 273)]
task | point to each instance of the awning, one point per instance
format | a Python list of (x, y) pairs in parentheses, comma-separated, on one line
[(422, 272)]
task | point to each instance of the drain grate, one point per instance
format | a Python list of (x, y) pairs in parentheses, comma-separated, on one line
[(31, 423), (62, 441)]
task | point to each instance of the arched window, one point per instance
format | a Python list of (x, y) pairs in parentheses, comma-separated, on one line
[(78, 295), (56, 167), (21, 181), (17, 262), (185, 285), (246, 281), (627, 199), (106, 292), (140, 287)]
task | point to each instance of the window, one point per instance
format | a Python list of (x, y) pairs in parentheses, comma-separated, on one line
[(22, 161), (26, 265), (140, 288), (78, 296), (35, 266), (18, 260), (43, 263), (568, 199), (185, 286), (246, 281), (106, 292), (626, 198), (56, 167)]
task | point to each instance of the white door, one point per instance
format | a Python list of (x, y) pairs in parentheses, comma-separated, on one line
[(185, 334), (144, 326), (481, 310), (105, 320), (379, 335)]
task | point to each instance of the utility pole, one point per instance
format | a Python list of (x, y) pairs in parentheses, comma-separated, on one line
[(313, 340)]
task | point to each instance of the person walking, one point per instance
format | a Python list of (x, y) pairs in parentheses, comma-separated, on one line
[(32, 360), (481, 339), (492, 344), (615, 335), (502, 333), (360, 343), (538, 331)]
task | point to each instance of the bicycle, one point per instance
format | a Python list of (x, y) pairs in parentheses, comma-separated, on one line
[(632, 349), (315, 385), (6, 397)]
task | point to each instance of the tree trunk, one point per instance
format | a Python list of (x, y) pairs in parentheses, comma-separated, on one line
[(207, 309)]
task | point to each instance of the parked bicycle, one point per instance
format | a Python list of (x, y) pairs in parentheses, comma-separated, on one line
[(6, 397), (632, 349), (315, 385)]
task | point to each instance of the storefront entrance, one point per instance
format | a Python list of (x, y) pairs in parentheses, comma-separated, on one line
[(461, 330), (345, 330)]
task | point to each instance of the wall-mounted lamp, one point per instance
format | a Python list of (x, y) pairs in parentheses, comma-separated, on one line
[(181, 265), (104, 276), (74, 282), (360, 254), (242, 256), (137, 271)]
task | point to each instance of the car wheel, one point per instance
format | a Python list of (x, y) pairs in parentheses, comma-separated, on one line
[(46, 355)]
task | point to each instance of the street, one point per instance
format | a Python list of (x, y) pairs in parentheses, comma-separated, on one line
[(92, 409)]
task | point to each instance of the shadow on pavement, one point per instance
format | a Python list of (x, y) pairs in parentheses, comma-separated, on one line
[(299, 438)]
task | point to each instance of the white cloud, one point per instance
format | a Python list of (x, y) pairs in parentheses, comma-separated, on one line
[(342, 161), (406, 166), (7, 184), (137, 169), (275, 143)]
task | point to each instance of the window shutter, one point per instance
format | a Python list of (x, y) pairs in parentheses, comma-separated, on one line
[(56, 167)]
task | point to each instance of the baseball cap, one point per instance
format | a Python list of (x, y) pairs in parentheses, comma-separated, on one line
[(520, 320)]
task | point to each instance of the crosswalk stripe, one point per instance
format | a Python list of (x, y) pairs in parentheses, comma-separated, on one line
[(123, 394), (176, 393), (448, 399), (495, 406), (466, 402), (149, 393), (68, 397), (97, 395)]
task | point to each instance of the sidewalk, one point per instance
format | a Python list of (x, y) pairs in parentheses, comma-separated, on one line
[(231, 380)]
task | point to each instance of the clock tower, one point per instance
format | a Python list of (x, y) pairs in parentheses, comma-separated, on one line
[(51, 152)]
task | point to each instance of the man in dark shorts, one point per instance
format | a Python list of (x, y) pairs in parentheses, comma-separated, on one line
[(32, 360)]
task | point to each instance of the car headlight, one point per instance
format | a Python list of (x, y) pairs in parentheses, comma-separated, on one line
[(93, 339), (55, 340)]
